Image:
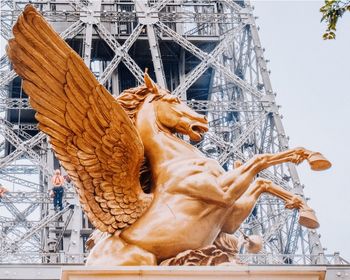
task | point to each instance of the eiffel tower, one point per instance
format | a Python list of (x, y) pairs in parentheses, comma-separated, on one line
[(206, 52)]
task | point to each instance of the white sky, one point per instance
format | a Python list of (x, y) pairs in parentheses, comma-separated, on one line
[(311, 77)]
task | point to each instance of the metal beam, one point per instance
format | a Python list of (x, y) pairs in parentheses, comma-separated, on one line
[(156, 56), (19, 181), (115, 46), (22, 148), (192, 76), (205, 56), (15, 245), (121, 53)]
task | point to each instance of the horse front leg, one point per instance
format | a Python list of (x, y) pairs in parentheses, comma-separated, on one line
[(238, 180), (297, 155), (244, 206), (262, 161), (307, 215)]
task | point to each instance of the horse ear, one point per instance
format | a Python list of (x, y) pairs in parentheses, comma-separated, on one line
[(149, 83), (148, 80)]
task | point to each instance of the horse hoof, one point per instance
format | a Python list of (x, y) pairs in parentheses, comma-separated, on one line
[(307, 218), (318, 162), (254, 244)]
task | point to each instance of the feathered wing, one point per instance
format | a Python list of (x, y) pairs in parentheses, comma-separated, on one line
[(90, 133)]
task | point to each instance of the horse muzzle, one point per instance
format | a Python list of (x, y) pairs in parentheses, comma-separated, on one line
[(197, 131)]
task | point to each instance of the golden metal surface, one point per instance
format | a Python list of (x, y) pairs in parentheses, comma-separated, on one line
[(105, 143)]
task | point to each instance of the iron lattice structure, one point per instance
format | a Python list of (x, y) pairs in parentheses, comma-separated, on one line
[(208, 53)]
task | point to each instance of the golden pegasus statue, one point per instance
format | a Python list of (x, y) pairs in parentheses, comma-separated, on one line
[(104, 143)]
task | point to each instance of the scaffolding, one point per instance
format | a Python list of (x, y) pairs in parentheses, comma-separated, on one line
[(206, 52)]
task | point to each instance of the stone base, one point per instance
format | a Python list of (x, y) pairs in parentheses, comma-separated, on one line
[(198, 273)]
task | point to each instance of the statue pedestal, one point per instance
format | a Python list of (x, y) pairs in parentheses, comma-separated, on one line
[(199, 272)]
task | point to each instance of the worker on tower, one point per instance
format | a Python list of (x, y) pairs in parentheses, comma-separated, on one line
[(3, 191), (57, 191)]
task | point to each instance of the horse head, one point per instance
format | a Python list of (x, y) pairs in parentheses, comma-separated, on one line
[(175, 116), (150, 105)]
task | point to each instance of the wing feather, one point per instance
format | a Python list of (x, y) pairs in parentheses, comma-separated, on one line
[(43, 101), (80, 97), (90, 133), (77, 76), (57, 73)]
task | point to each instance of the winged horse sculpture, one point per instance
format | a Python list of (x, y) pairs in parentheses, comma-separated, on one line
[(103, 142)]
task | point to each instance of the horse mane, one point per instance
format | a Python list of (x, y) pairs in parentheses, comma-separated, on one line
[(131, 100)]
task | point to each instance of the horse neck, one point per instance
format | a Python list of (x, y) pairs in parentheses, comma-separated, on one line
[(160, 145)]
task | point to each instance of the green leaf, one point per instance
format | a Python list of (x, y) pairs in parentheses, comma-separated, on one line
[(331, 11)]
